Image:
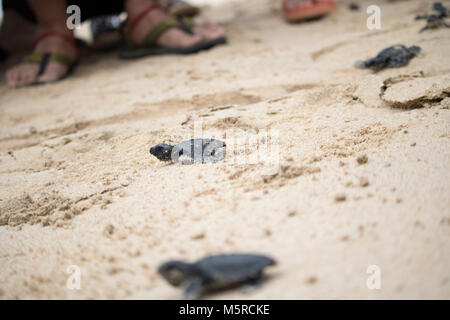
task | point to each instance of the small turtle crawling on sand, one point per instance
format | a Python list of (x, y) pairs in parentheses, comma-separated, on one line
[(215, 272), (437, 10), (435, 17), (434, 22), (199, 150), (392, 57)]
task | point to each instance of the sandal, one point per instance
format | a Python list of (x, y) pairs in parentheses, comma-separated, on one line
[(303, 10), (149, 47), (43, 59)]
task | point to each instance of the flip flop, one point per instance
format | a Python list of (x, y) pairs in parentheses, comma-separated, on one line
[(43, 59), (180, 8), (149, 47), (304, 10)]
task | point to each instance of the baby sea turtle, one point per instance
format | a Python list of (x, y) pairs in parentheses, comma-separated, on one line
[(392, 57), (435, 17), (434, 22), (215, 272), (199, 150), (437, 10)]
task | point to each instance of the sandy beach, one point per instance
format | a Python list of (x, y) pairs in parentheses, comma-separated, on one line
[(363, 177)]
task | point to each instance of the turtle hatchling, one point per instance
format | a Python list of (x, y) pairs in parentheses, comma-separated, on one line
[(199, 150), (392, 57), (434, 22), (435, 17), (215, 273), (437, 10)]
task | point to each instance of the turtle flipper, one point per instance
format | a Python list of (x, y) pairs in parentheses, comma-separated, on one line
[(360, 64), (423, 29), (193, 289), (369, 63)]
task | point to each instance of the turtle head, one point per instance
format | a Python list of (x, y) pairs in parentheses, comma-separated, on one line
[(175, 272), (439, 9), (162, 151), (414, 50)]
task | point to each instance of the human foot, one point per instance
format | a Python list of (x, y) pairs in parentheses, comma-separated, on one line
[(145, 19), (60, 43), (209, 30)]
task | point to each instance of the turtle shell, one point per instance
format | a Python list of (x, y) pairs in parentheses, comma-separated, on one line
[(439, 9), (392, 57), (232, 268), (200, 150)]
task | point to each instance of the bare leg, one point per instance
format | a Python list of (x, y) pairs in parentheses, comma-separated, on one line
[(164, 3), (51, 17), (16, 33)]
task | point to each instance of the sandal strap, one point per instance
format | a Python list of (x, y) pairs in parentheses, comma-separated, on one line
[(52, 57), (43, 59), (63, 36), (186, 23), (153, 35)]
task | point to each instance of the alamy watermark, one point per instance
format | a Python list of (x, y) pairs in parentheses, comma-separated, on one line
[(74, 280), (74, 19), (237, 146), (374, 20), (373, 281)]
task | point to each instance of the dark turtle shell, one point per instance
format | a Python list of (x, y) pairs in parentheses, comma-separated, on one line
[(439, 10), (215, 273), (392, 57), (232, 268)]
